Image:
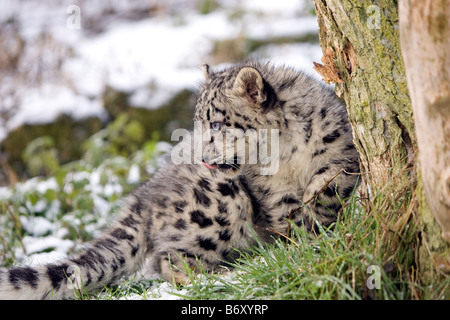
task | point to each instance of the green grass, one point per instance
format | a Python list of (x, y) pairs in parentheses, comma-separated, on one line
[(382, 233), (333, 265)]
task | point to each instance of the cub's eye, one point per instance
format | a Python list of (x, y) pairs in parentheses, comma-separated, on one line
[(216, 126)]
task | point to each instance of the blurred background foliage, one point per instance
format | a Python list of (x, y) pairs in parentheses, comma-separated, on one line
[(38, 149), (78, 131)]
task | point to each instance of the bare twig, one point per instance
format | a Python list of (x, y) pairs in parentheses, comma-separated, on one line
[(17, 227), (325, 186)]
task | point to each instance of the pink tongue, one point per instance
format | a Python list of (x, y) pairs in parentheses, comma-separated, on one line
[(209, 166)]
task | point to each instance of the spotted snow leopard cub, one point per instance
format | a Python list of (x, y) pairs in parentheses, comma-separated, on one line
[(205, 207)]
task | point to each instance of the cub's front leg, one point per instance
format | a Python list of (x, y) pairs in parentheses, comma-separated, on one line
[(329, 185)]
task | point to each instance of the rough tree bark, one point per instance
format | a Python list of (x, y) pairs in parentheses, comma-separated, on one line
[(360, 42)]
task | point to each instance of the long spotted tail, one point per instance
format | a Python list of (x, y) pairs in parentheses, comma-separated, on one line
[(119, 252)]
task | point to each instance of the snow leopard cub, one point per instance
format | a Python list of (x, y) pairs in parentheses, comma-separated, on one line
[(276, 145)]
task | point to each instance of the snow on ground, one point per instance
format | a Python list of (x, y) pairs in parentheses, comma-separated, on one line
[(35, 245), (154, 57), (298, 55), (160, 291), (41, 105)]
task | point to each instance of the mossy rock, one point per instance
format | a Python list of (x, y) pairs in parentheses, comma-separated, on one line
[(66, 133), (207, 6), (176, 113), (69, 134)]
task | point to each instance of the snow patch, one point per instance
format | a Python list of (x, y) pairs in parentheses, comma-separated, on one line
[(36, 226), (36, 245), (44, 104), (134, 175)]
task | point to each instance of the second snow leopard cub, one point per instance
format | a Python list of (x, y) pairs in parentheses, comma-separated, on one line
[(203, 210)]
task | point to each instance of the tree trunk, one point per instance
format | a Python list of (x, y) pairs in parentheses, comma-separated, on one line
[(363, 43), (361, 54), (425, 42)]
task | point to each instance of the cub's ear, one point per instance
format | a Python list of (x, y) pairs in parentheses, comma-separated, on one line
[(206, 71), (249, 85)]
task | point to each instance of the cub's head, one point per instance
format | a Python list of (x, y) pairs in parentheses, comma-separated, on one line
[(232, 108)]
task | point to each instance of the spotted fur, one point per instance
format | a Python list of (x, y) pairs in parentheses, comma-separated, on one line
[(200, 213)]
